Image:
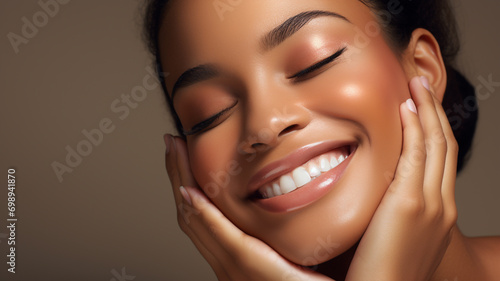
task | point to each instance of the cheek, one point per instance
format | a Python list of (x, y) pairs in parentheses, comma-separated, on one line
[(368, 95), (373, 91), (368, 91), (212, 157)]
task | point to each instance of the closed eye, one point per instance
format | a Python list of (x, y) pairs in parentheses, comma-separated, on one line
[(303, 73), (205, 124)]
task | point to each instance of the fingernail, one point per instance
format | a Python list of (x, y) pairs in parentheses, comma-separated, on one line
[(411, 106), (185, 194), (425, 82)]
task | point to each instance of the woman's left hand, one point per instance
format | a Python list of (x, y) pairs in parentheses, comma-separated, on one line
[(413, 225)]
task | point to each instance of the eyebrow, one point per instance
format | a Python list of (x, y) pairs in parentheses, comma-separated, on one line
[(269, 41), (291, 26), (195, 75)]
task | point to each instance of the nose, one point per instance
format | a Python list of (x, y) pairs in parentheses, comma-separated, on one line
[(270, 118)]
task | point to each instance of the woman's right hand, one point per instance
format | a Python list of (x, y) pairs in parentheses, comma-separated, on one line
[(232, 254)]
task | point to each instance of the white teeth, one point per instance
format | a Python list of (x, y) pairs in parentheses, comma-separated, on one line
[(269, 192), (333, 162), (313, 170), (304, 174), (300, 176), (341, 158), (287, 184), (324, 166), (276, 189)]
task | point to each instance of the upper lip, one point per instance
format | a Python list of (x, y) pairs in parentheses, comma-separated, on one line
[(290, 162)]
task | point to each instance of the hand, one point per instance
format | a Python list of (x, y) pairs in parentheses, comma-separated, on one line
[(412, 227), (231, 253)]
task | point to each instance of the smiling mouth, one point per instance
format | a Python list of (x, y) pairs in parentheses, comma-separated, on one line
[(303, 174)]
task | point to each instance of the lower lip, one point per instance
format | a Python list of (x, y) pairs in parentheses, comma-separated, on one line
[(307, 194)]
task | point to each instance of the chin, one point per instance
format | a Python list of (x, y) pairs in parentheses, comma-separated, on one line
[(314, 238), (316, 248), (332, 223)]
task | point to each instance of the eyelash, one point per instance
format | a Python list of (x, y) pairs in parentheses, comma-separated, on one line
[(303, 73), (203, 125)]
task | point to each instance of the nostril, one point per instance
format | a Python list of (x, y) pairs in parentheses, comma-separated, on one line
[(288, 129)]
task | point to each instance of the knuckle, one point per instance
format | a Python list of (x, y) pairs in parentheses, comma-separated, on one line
[(182, 224), (436, 142), (451, 217), (413, 206), (435, 211), (417, 155), (214, 231), (452, 145), (438, 136), (185, 213)]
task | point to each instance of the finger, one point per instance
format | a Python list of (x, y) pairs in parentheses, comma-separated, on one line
[(208, 255), (435, 143), (189, 219), (178, 168), (411, 165), (240, 249), (183, 166), (175, 161), (201, 231), (201, 227), (172, 168), (211, 221), (450, 168), (205, 220), (209, 227), (233, 250)]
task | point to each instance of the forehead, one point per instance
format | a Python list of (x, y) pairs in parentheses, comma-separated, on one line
[(195, 32)]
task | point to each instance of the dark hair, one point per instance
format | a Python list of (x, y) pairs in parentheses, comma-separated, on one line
[(399, 20)]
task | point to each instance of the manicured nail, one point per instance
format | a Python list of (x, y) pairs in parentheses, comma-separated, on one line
[(185, 194), (411, 106), (425, 82)]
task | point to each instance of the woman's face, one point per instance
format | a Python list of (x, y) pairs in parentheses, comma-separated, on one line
[(275, 92)]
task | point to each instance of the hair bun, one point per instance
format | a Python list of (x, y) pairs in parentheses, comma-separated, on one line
[(460, 105)]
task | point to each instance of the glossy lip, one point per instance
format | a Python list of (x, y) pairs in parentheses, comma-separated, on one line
[(294, 160), (306, 194)]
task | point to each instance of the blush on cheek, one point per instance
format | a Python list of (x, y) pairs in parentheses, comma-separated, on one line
[(212, 161)]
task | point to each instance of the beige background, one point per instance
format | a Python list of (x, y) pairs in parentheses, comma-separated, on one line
[(115, 210)]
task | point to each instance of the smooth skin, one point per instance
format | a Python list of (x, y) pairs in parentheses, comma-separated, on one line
[(425, 202), (403, 225)]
